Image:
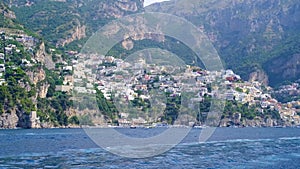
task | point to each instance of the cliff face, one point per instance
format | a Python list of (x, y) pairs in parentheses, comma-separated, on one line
[(17, 116), (247, 34), (260, 76), (283, 67), (38, 76), (77, 34), (43, 90), (9, 120), (257, 122), (43, 57)]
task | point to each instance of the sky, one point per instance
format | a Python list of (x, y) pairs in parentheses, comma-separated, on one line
[(149, 2)]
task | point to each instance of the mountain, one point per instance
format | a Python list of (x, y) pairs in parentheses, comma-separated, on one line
[(257, 39), (62, 22)]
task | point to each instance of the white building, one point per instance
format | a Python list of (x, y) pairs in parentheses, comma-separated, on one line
[(2, 68)]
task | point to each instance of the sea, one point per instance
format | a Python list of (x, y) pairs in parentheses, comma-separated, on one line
[(249, 148)]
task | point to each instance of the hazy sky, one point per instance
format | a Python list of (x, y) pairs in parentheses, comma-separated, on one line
[(149, 2)]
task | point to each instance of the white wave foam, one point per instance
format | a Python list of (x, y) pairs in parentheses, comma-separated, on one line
[(289, 138)]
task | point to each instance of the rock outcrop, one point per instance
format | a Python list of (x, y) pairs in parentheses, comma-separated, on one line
[(9, 120), (256, 122), (43, 90), (36, 76), (16, 118), (77, 34), (260, 76), (43, 57)]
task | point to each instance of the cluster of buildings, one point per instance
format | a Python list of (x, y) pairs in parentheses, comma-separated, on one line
[(126, 81), (134, 80), (68, 78), (290, 111), (2, 60), (2, 68), (9, 48), (292, 90), (256, 94)]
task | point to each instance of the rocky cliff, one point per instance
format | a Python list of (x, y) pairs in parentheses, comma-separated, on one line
[(284, 67), (9, 120), (260, 76), (25, 117), (247, 34), (43, 57), (77, 34), (257, 122)]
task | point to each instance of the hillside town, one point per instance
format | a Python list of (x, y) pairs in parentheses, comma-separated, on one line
[(132, 82), (117, 78), (10, 48)]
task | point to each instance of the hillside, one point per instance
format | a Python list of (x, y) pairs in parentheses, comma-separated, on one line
[(35, 76), (252, 37), (28, 79), (257, 39), (39, 60), (62, 22)]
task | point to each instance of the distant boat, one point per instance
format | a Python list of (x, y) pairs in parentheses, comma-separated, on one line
[(279, 126), (132, 127), (149, 127), (199, 127)]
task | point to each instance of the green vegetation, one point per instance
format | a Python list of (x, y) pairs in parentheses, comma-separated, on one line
[(54, 109), (106, 107), (13, 95), (246, 36), (242, 50), (247, 111), (18, 93), (57, 21), (19, 89), (172, 109), (170, 44)]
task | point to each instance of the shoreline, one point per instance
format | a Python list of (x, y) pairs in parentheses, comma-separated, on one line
[(142, 127)]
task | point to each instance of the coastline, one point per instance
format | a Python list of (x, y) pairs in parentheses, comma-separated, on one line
[(144, 127)]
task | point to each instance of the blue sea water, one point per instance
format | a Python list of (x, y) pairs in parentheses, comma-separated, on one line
[(227, 148)]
